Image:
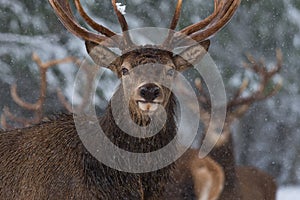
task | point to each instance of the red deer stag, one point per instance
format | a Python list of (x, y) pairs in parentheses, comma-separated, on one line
[(242, 182), (49, 161)]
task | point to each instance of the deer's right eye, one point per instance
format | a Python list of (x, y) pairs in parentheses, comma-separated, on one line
[(170, 72), (125, 71)]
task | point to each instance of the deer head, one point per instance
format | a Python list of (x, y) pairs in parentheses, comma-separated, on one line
[(146, 94)]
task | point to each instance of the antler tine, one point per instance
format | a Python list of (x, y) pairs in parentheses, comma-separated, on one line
[(278, 66), (64, 101), (220, 22), (98, 27), (242, 88), (176, 15), (19, 120), (64, 13), (20, 102), (37, 107), (126, 38), (223, 11), (3, 122), (174, 22), (200, 25)]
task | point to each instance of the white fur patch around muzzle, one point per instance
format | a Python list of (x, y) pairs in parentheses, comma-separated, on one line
[(148, 106)]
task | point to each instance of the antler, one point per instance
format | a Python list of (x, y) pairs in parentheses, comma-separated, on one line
[(37, 107), (127, 41), (223, 11), (238, 105), (63, 11), (173, 24), (97, 27)]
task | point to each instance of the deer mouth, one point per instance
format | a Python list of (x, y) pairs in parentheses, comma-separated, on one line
[(148, 106)]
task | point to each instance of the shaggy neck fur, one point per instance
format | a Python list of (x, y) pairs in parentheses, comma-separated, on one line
[(134, 186)]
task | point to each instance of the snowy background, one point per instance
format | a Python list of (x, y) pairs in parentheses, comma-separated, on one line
[(288, 193), (267, 137)]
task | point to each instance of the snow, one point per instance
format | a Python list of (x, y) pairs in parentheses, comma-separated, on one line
[(288, 193), (121, 8)]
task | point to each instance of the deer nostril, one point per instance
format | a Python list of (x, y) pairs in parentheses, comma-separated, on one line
[(149, 92), (156, 91), (143, 91)]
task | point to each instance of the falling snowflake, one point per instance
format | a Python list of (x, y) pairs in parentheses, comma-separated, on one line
[(121, 8)]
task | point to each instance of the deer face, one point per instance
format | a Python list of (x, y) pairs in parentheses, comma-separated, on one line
[(147, 76), (147, 73)]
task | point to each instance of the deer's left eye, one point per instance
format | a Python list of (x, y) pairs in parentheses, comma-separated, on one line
[(124, 71), (171, 72)]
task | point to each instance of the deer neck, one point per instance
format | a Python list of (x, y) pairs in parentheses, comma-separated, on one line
[(137, 144), (225, 156), (136, 186)]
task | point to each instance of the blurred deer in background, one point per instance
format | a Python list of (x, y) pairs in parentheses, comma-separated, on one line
[(49, 161), (196, 178), (241, 182)]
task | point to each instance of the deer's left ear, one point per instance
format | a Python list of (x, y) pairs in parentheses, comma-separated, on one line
[(191, 55)]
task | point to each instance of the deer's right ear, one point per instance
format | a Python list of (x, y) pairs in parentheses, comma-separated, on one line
[(101, 55), (191, 55)]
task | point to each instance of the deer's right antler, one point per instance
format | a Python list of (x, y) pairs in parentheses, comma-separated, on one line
[(223, 11), (63, 11)]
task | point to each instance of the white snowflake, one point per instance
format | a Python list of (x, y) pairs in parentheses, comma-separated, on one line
[(121, 8)]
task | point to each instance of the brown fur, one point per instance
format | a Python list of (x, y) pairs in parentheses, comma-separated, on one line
[(256, 184), (241, 182), (196, 178), (224, 155), (48, 161)]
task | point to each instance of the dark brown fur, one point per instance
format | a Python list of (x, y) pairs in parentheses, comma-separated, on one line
[(196, 178), (241, 182), (48, 161), (256, 184), (224, 155)]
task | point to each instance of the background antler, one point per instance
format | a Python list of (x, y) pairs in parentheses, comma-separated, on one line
[(36, 107), (240, 104)]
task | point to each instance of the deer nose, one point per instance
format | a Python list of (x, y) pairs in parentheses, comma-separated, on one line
[(149, 91)]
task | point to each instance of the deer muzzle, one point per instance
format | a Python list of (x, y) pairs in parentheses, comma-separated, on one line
[(149, 96)]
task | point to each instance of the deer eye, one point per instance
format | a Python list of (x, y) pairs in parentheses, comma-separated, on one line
[(170, 72), (124, 71)]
